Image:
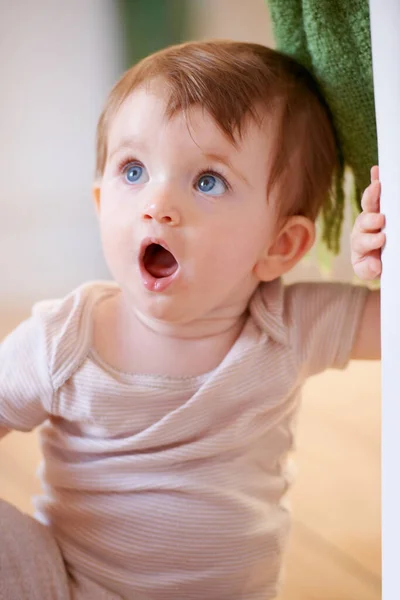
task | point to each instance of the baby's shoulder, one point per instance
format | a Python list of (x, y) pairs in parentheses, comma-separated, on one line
[(75, 306), (287, 308), (65, 325)]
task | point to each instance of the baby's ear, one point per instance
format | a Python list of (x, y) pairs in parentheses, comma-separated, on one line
[(293, 241), (96, 195)]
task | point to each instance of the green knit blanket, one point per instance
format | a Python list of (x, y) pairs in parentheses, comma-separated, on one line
[(332, 39)]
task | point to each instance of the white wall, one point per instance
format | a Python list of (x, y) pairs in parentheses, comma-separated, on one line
[(57, 62)]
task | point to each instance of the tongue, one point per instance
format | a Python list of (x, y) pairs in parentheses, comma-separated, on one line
[(159, 262)]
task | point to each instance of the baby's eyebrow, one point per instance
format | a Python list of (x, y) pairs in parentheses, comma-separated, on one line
[(221, 158), (131, 142)]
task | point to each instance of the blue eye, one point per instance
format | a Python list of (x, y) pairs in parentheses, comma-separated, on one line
[(135, 173), (211, 184)]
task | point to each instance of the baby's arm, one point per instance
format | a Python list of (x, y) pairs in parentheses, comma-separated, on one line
[(367, 240)]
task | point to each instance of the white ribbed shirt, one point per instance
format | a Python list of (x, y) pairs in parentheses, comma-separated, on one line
[(172, 488)]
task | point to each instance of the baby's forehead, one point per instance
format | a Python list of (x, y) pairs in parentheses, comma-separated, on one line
[(146, 113)]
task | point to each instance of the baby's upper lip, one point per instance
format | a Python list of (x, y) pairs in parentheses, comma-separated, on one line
[(153, 240)]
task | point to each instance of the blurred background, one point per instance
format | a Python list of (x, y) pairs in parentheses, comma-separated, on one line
[(58, 61)]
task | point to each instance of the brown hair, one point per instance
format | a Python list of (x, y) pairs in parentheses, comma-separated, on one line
[(233, 81)]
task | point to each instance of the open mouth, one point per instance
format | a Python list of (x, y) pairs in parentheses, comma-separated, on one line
[(159, 262)]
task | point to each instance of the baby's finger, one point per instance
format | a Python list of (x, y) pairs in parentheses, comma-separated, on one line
[(374, 173), (370, 200), (365, 243), (368, 268), (369, 223)]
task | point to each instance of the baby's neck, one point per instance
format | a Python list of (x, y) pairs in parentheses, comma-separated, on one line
[(133, 343)]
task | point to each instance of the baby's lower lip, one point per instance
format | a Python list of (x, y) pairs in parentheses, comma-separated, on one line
[(157, 284)]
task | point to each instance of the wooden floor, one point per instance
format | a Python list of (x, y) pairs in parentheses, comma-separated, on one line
[(334, 553)]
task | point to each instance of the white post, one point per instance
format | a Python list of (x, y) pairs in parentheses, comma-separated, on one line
[(385, 31)]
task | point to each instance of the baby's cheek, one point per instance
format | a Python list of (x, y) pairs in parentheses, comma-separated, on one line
[(116, 242)]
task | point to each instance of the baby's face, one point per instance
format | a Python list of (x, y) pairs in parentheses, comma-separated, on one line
[(183, 212)]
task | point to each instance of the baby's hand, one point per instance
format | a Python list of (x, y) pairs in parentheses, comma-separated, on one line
[(367, 239)]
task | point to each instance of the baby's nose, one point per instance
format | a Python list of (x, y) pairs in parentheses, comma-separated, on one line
[(163, 212)]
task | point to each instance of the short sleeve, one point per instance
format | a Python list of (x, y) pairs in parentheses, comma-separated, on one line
[(38, 357), (25, 385), (323, 321)]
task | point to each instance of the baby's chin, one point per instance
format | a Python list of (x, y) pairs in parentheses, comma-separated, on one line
[(168, 313)]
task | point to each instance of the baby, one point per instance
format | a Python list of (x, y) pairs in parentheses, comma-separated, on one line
[(167, 399)]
